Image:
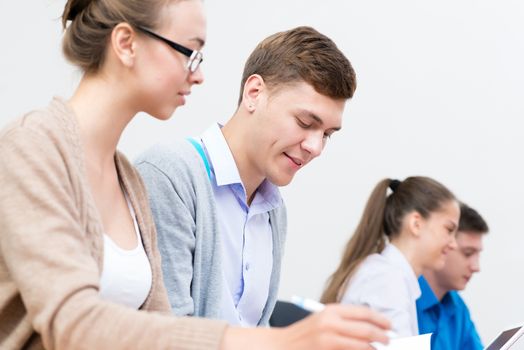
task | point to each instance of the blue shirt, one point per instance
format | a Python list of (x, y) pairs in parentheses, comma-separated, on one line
[(246, 236), (449, 320)]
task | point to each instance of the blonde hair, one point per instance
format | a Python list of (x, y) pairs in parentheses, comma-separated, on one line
[(91, 22)]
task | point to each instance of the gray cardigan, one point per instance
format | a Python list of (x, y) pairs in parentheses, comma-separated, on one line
[(185, 214)]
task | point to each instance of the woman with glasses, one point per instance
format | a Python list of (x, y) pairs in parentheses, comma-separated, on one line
[(79, 264)]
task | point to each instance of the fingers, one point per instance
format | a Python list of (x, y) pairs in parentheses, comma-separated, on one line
[(337, 327), (361, 313), (363, 331), (352, 344), (356, 323), (322, 332)]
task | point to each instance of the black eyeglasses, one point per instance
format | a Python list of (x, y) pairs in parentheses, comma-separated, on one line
[(195, 56)]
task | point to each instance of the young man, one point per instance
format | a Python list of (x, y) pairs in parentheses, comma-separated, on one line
[(440, 309), (221, 221)]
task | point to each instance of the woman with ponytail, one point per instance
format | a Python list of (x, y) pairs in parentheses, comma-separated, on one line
[(399, 235), (79, 263)]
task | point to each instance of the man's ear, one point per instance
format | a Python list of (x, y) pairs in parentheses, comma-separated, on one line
[(414, 223), (253, 89), (123, 43)]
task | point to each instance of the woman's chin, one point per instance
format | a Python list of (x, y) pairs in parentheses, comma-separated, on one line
[(165, 114)]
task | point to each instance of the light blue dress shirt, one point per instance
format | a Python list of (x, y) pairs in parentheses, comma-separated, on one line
[(449, 320), (246, 237)]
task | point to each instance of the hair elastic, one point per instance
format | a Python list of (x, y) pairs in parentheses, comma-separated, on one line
[(393, 184)]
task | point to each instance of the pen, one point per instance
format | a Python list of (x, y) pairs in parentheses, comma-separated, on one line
[(315, 306), (307, 304)]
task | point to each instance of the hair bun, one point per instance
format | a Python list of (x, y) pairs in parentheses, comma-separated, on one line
[(73, 8)]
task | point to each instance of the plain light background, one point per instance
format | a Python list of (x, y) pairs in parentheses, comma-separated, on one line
[(440, 93)]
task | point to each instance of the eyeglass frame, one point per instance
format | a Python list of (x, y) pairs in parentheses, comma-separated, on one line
[(193, 55)]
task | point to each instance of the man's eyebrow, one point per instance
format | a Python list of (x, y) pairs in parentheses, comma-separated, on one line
[(471, 249)]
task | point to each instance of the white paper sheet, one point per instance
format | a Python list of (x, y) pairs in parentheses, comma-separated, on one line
[(419, 342)]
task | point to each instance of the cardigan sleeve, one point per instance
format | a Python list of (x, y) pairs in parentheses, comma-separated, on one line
[(176, 229), (46, 255)]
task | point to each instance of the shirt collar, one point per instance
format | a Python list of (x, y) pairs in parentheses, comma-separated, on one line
[(225, 169), (451, 302), (267, 196), (428, 299), (394, 255), (220, 157)]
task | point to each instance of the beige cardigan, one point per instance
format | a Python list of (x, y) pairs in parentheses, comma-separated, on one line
[(51, 250)]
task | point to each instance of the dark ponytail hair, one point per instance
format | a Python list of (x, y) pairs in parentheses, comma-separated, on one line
[(92, 21), (382, 219)]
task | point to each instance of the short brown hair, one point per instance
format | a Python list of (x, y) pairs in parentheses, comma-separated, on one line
[(471, 221), (85, 39), (302, 54)]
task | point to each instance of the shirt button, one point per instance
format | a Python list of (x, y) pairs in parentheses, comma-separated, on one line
[(247, 267)]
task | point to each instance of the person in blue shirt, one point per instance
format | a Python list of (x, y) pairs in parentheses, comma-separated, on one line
[(440, 309)]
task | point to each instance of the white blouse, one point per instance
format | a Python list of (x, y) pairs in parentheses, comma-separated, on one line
[(387, 283), (126, 275)]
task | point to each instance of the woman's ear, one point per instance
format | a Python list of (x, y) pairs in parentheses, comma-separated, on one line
[(123, 43), (414, 223), (253, 89)]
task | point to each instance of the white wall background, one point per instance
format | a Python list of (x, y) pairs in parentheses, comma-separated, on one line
[(440, 94)]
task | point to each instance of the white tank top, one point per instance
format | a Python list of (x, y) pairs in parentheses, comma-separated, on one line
[(126, 274)]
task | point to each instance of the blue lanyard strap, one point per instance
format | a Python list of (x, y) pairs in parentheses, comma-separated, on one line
[(200, 151)]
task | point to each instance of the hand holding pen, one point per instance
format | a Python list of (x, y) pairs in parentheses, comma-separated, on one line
[(315, 306), (335, 327)]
